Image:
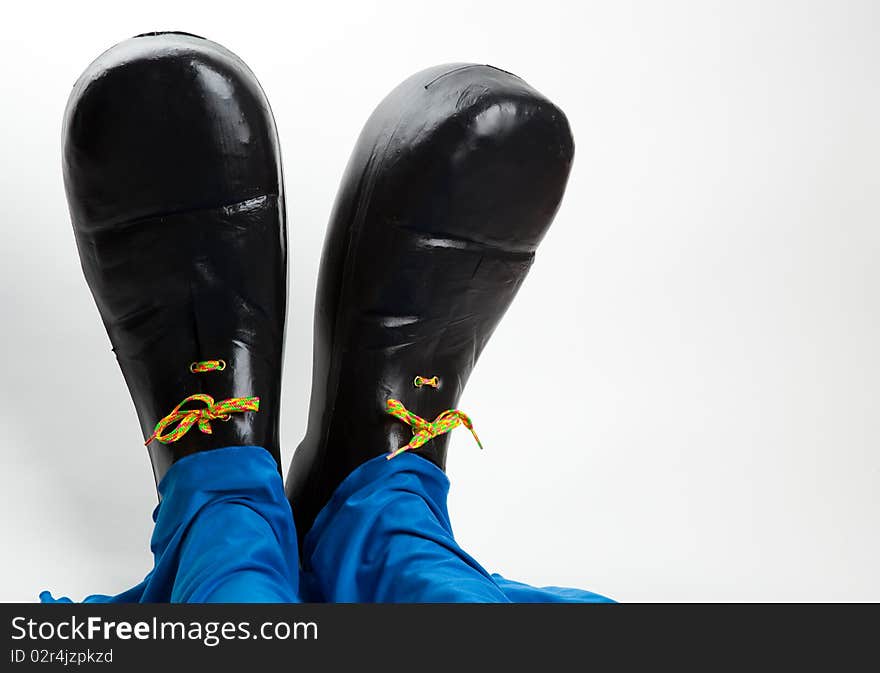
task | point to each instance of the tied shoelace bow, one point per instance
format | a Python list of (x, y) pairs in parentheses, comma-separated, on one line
[(424, 430), (186, 418), (212, 411)]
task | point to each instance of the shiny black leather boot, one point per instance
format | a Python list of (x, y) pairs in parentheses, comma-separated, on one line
[(173, 175), (452, 184)]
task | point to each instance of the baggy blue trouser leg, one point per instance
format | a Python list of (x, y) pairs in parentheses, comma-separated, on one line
[(385, 536), (224, 534)]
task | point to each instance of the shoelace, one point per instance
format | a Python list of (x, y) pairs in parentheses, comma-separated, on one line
[(424, 430), (420, 381), (207, 366), (186, 418)]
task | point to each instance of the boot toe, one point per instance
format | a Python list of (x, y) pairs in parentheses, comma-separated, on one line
[(166, 123)]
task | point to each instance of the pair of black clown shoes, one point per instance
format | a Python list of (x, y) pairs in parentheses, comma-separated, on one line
[(173, 176)]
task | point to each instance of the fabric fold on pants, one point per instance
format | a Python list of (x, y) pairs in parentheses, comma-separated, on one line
[(385, 536), (223, 533)]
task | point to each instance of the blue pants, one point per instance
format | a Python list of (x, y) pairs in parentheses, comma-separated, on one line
[(224, 533)]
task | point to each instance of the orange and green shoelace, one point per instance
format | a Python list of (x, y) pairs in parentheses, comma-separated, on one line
[(200, 416), (420, 381), (425, 430), (207, 366)]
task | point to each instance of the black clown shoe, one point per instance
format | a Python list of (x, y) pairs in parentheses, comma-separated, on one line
[(452, 184), (173, 176)]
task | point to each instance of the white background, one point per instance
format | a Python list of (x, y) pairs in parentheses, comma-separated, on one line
[(682, 403)]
